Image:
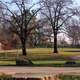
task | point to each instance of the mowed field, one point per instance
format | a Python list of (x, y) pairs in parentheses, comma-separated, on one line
[(43, 56), (45, 51)]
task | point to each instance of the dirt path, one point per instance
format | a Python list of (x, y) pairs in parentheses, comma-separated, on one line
[(48, 70)]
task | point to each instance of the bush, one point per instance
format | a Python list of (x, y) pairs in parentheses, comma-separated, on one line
[(71, 63)]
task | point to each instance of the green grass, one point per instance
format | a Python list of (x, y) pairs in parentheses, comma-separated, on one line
[(40, 62), (7, 63), (40, 56), (69, 51), (42, 52), (53, 62), (49, 51), (48, 62), (69, 77)]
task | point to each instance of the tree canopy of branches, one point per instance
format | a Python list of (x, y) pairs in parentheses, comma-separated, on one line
[(21, 19), (73, 31), (57, 12)]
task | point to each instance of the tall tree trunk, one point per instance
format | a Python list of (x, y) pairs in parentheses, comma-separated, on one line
[(24, 50), (55, 43), (24, 53)]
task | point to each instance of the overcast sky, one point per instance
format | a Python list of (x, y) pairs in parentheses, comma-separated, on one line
[(77, 1)]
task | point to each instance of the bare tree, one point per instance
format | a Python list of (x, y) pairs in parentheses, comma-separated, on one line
[(20, 17), (46, 30), (73, 31), (57, 12)]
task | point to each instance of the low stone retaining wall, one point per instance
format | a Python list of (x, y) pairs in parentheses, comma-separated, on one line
[(35, 76)]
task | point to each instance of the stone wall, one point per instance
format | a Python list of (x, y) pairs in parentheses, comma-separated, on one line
[(36, 77)]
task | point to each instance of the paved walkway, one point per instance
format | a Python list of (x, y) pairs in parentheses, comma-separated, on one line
[(39, 70)]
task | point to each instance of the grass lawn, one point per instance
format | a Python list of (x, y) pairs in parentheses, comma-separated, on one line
[(39, 63), (42, 52), (40, 56), (7, 63), (49, 51), (52, 62)]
